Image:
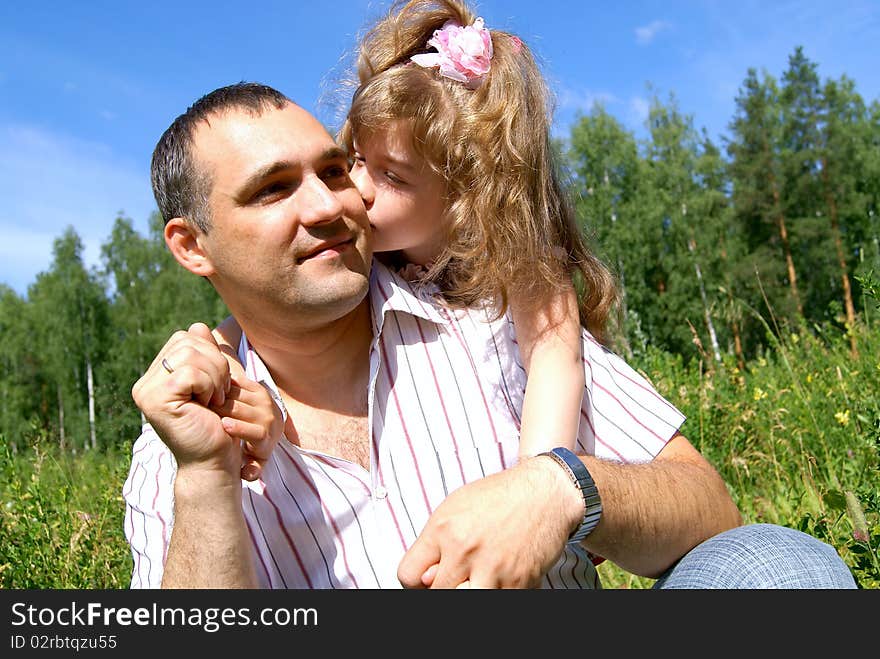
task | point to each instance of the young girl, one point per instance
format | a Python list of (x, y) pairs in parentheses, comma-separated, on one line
[(449, 132)]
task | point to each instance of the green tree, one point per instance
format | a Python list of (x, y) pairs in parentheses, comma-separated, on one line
[(152, 296), (843, 146), (753, 148), (869, 186), (20, 377), (605, 165), (714, 204), (692, 230), (69, 316), (802, 190)]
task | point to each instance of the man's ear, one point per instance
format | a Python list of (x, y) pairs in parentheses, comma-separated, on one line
[(183, 239)]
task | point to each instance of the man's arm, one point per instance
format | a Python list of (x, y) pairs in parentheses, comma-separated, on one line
[(206, 417), (653, 513), (209, 546)]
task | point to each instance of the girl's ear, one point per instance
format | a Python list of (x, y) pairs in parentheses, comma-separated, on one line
[(185, 242)]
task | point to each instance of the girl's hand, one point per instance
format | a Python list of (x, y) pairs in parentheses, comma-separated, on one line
[(251, 415)]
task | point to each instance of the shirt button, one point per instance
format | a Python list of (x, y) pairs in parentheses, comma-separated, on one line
[(380, 492)]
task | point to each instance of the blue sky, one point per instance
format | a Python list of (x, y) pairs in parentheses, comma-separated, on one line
[(88, 86)]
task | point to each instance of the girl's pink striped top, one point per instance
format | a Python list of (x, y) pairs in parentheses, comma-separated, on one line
[(444, 399)]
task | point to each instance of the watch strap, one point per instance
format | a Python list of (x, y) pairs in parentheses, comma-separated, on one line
[(582, 479)]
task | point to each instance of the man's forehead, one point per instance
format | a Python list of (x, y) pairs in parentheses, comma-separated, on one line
[(288, 133), (243, 123)]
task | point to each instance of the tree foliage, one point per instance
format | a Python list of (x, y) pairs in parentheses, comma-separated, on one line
[(712, 244), (75, 346)]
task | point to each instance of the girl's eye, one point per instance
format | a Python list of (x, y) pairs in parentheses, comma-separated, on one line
[(394, 178)]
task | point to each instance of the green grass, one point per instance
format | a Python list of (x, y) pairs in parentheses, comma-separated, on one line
[(61, 520), (796, 435)]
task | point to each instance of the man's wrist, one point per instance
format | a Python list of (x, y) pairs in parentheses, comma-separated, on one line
[(570, 500), (196, 483)]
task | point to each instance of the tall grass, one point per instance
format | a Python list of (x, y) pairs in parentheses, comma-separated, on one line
[(61, 520), (796, 436)]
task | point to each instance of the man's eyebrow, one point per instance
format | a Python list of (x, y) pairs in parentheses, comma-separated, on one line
[(267, 171), (334, 153)]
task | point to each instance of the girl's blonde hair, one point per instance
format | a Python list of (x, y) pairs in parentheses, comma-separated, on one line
[(511, 226)]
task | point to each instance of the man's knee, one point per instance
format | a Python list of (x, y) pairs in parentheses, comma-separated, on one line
[(760, 556)]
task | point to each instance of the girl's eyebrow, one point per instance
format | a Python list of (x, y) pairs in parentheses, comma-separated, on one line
[(385, 155), (399, 163)]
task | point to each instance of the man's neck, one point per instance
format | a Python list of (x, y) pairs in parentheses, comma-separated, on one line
[(323, 368)]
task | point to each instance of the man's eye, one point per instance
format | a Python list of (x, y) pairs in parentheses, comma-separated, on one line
[(273, 190), (336, 171)]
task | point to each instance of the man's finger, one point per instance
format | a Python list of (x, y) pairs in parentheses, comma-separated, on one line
[(204, 373), (202, 331), (429, 574), (450, 573), (422, 555)]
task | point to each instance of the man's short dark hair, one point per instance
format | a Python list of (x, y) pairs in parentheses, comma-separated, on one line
[(179, 188)]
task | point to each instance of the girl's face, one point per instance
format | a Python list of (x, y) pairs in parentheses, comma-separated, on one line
[(405, 199)]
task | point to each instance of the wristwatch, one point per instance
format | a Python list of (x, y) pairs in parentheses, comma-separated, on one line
[(584, 482)]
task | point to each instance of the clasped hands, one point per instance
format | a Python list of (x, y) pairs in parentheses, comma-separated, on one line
[(199, 400)]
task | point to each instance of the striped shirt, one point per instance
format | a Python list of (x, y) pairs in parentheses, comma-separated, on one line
[(446, 389)]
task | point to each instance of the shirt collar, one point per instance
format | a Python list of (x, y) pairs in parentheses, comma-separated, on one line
[(390, 292)]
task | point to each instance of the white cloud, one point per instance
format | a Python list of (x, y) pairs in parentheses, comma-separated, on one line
[(646, 33), (579, 99), (50, 181), (639, 108)]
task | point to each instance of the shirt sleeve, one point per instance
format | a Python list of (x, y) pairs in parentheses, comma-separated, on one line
[(623, 417), (149, 508)]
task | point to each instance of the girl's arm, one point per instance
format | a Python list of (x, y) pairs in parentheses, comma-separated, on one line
[(549, 340)]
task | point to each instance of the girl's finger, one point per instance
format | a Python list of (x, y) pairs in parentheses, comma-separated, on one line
[(254, 434)]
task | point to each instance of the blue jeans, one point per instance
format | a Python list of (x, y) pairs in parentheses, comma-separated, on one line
[(759, 556)]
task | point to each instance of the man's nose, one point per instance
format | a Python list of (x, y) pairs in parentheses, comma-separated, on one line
[(318, 203), (364, 184)]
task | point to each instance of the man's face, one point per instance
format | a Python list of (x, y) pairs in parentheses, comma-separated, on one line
[(289, 231)]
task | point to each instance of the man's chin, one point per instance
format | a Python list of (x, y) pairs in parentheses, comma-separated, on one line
[(332, 299)]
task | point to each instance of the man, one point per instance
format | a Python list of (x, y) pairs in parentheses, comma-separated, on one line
[(397, 464)]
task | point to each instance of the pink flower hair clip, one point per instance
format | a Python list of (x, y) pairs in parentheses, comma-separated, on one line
[(463, 53)]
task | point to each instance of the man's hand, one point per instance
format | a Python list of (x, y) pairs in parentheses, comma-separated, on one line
[(503, 531), (206, 410)]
